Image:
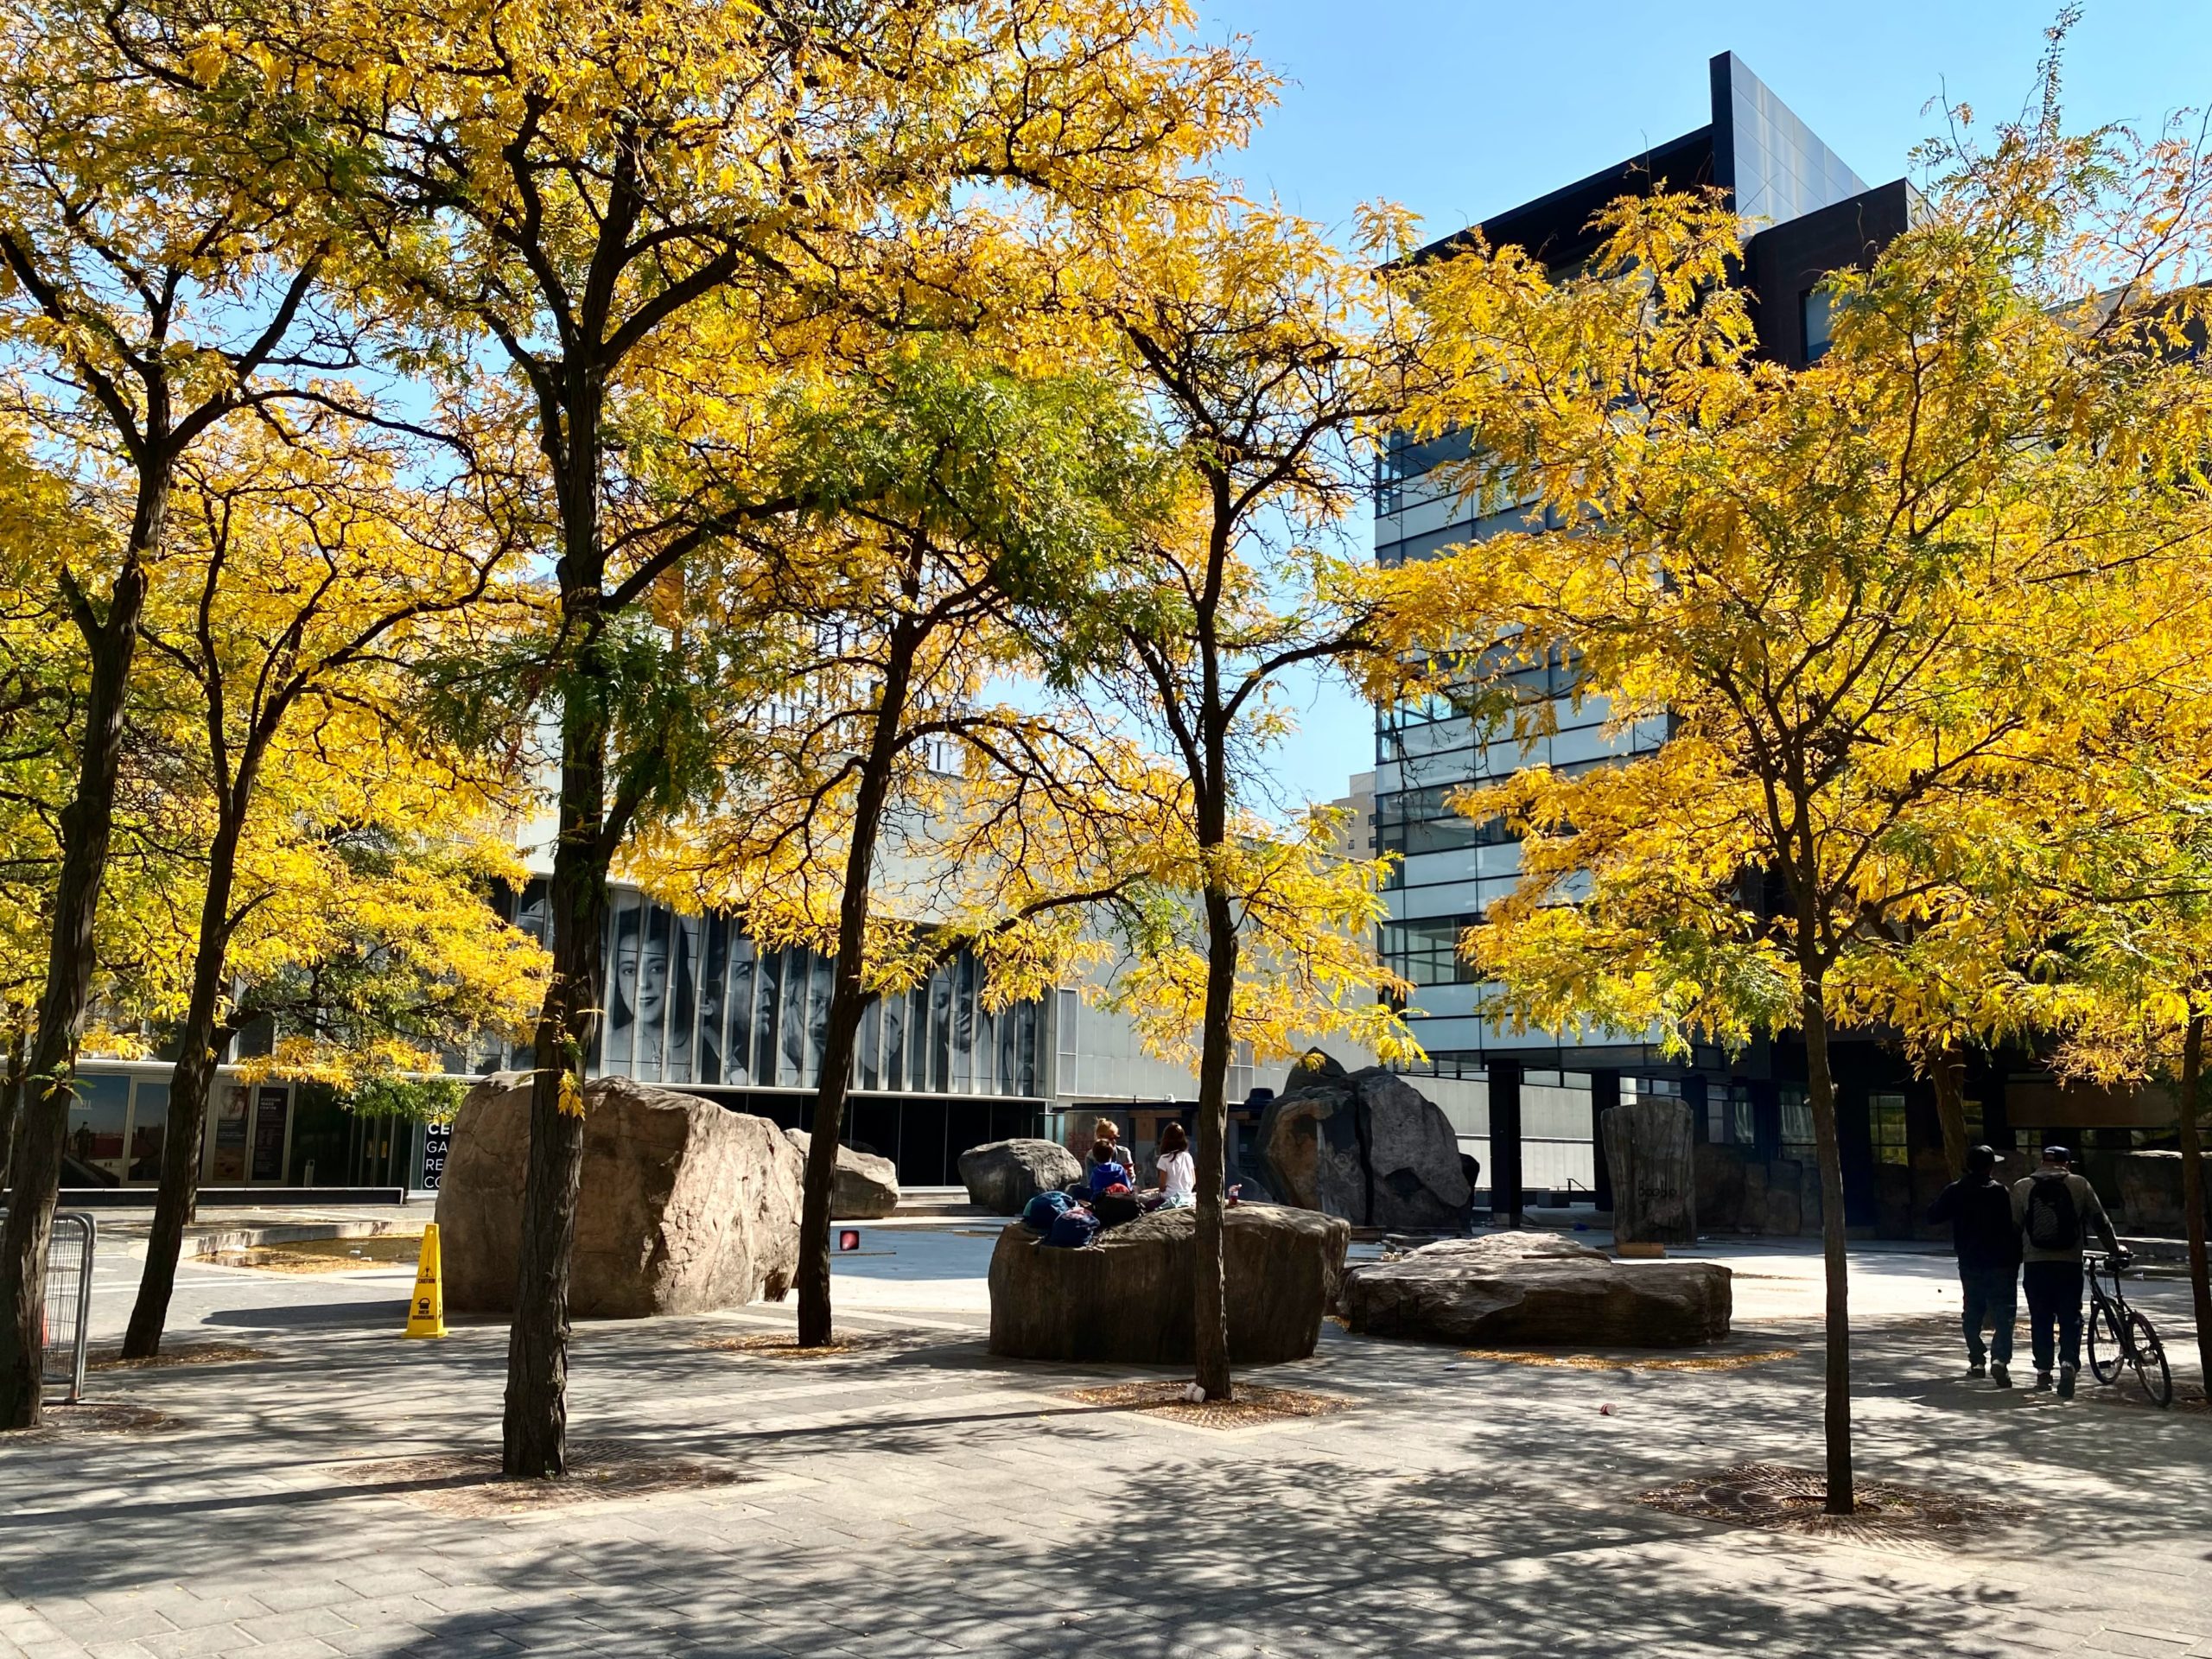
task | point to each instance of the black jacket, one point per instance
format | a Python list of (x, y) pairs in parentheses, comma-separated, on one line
[(1983, 1230)]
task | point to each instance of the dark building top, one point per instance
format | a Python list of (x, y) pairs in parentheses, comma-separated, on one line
[(1819, 215)]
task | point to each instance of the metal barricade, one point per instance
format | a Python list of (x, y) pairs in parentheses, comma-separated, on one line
[(68, 1299)]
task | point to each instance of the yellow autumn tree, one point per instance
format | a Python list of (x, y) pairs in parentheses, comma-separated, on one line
[(1864, 597), (551, 194), (310, 572), (154, 283), (877, 798), (1265, 357)]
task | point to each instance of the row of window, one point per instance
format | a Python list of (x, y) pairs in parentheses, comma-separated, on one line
[(691, 1000)]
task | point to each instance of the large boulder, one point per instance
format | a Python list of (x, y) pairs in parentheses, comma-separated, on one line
[(1540, 1289), (868, 1187), (2150, 1195), (1648, 1150), (1126, 1297), (1003, 1175), (1364, 1145), (685, 1205)]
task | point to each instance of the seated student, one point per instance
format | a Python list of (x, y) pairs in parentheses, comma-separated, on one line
[(1179, 1172), (1107, 1149)]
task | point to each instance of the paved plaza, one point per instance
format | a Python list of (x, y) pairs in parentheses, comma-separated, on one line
[(915, 1496)]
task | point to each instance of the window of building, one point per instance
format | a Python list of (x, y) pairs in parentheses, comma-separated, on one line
[(1419, 821), (1728, 1116), (1818, 307), (1426, 950), (1885, 1113), (1797, 1139)]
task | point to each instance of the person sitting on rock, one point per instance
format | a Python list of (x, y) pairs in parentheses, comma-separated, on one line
[(1106, 1147), (1110, 1177), (1178, 1174)]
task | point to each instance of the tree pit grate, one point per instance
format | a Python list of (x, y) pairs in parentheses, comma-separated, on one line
[(73, 1422), (1256, 1405), (1628, 1363), (469, 1486), (1889, 1515), (187, 1353), (783, 1345)]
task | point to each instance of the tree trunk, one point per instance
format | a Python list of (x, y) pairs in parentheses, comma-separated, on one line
[(847, 1003), (1210, 1300), (1947, 1071), (11, 1099), (534, 1434), (2192, 1190), (1820, 1087), (87, 823), (847, 998), (193, 1077)]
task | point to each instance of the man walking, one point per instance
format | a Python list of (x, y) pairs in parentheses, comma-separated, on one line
[(1985, 1237), (2054, 1208)]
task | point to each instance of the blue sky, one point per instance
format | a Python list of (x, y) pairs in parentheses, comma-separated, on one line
[(1459, 109)]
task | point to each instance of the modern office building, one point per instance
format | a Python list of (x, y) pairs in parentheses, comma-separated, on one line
[(1810, 215)]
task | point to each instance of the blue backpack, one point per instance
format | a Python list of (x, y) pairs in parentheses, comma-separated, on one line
[(1041, 1211), (1072, 1229)]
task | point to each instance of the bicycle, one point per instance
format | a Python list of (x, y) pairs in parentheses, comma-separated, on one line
[(2119, 1335)]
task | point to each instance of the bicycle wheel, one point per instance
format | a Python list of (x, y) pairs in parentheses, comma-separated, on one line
[(2149, 1360), (2102, 1334)]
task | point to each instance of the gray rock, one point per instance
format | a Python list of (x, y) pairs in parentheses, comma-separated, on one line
[(2149, 1194), (1364, 1145), (685, 1206), (868, 1187), (1127, 1298), (1003, 1175), (1649, 1149), (1539, 1289)]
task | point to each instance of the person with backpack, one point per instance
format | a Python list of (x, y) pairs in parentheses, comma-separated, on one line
[(1985, 1239), (2054, 1209)]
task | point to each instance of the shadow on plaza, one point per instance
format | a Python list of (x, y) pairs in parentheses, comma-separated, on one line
[(1464, 1507)]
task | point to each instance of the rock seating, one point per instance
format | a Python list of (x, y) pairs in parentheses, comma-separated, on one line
[(1363, 1145), (685, 1205), (1003, 1175), (1127, 1298), (868, 1187), (1538, 1289)]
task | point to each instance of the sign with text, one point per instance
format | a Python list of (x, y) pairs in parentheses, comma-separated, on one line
[(437, 1141)]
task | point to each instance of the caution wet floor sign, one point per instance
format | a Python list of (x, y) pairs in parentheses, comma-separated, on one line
[(426, 1312)]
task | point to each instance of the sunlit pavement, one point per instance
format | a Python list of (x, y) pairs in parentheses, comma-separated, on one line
[(919, 1497)]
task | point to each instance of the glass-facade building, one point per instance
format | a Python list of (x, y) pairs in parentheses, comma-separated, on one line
[(1811, 214)]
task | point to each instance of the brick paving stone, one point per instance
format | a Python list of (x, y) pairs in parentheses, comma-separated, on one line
[(933, 1503), (199, 1640), (2138, 1645)]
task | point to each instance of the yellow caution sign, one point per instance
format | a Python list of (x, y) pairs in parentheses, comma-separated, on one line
[(426, 1314)]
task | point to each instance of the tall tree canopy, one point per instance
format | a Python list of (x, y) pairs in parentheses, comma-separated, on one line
[(1872, 601)]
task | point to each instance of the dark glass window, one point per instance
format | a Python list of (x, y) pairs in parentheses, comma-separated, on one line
[(1818, 307), (1886, 1114), (1427, 951), (1418, 821)]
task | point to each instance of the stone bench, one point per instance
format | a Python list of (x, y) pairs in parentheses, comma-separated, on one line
[(1540, 1290), (1126, 1297)]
